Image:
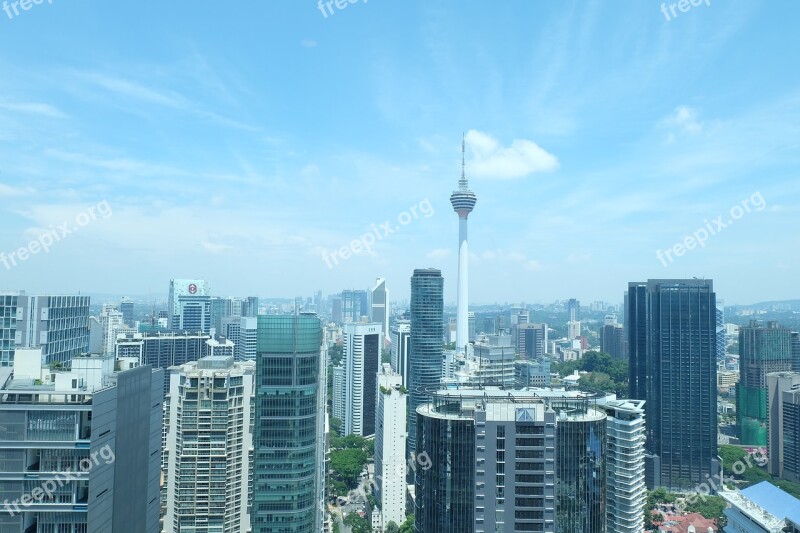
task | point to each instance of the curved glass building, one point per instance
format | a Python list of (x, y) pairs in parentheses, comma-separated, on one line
[(580, 471)]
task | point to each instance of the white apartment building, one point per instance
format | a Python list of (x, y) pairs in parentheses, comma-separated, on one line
[(390, 447), (209, 446)]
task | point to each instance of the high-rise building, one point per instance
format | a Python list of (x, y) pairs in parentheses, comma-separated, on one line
[(250, 307), (110, 321), (626, 494), (493, 356), (209, 438), (183, 287), (401, 345), (82, 447), (242, 331), (338, 402), (580, 470), (471, 326), (380, 306), (783, 424), (362, 358), (533, 341), (425, 357), (59, 324), (613, 340), (355, 306), (463, 201), (390, 447), (673, 367), (796, 351), (491, 457), (573, 310), (762, 350), (126, 308), (289, 439), (162, 349), (194, 313), (573, 329)]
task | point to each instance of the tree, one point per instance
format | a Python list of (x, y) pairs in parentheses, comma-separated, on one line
[(357, 523), (391, 527), (336, 528), (336, 425), (709, 507), (386, 356), (408, 525), (347, 465), (335, 354)]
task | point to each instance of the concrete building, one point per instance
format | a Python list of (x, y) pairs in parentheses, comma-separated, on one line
[(532, 341), (380, 306), (163, 349), (59, 324), (532, 373), (209, 446), (761, 508), (401, 345), (194, 313), (573, 329), (489, 362), (362, 358), (339, 394), (82, 447), (126, 307), (783, 431), (626, 493), (289, 439), (242, 331), (612, 338), (390, 447), (111, 320)]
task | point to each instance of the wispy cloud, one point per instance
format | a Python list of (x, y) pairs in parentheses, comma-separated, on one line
[(491, 160), (33, 108)]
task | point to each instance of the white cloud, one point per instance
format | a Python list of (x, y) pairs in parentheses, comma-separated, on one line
[(9, 190), (491, 160), (34, 108), (684, 119)]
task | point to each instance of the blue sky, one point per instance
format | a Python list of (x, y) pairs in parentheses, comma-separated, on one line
[(238, 142)]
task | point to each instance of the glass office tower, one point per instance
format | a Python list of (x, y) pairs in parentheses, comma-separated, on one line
[(673, 367), (288, 467), (425, 359)]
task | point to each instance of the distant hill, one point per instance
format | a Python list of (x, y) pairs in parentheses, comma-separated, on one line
[(782, 305)]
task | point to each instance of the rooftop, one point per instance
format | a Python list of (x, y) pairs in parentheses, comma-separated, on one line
[(774, 500)]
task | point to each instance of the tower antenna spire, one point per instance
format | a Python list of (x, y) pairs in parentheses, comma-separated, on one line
[(462, 183)]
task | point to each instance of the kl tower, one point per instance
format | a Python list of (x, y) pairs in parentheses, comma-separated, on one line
[(463, 201)]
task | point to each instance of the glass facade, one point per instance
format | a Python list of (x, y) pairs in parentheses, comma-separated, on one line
[(285, 465), (445, 493), (425, 358), (580, 473), (673, 366)]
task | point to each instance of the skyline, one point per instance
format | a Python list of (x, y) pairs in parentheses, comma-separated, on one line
[(216, 164)]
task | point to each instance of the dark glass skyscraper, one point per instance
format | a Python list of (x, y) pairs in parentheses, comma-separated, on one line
[(288, 464), (425, 359), (673, 366)]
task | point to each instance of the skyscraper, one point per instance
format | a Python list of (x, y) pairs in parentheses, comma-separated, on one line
[(380, 306), (208, 443), (425, 358), (390, 446), (289, 462), (573, 310), (762, 350), (626, 494), (59, 324), (463, 201), (401, 346), (126, 308), (782, 403), (362, 358), (183, 287), (673, 366), (613, 340)]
